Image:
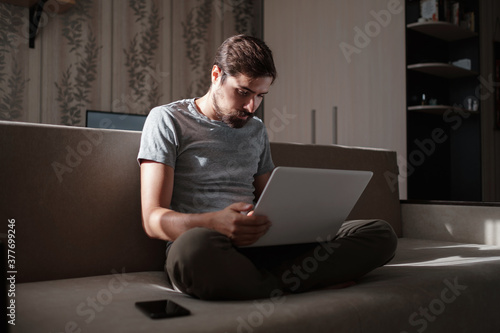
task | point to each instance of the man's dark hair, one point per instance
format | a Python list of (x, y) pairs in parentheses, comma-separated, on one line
[(242, 54)]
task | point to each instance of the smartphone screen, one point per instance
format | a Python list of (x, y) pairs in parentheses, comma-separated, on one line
[(162, 309)]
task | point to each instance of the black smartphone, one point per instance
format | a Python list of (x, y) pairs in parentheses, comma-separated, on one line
[(162, 309)]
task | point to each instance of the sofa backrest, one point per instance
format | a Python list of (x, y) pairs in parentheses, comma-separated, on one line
[(74, 195), (380, 200)]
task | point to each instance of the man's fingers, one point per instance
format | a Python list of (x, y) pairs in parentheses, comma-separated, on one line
[(241, 226), (241, 207)]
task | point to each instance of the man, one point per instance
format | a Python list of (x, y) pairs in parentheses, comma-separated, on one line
[(204, 161)]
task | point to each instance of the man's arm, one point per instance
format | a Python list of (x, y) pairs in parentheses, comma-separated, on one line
[(159, 221), (259, 183)]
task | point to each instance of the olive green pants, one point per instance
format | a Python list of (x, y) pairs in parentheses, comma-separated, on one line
[(204, 264)]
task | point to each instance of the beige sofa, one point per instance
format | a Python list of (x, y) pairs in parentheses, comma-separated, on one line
[(82, 259)]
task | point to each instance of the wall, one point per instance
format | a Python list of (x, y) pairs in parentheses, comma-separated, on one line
[(113, 55)]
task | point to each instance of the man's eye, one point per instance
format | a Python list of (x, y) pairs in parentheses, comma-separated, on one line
[(243, 92)]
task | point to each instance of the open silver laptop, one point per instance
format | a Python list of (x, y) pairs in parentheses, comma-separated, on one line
[(308, 205)]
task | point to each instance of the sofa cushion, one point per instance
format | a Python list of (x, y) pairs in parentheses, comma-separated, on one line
[(429, 286), (74, 194)]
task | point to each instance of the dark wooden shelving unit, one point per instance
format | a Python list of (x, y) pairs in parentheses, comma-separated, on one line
[(443, 139)]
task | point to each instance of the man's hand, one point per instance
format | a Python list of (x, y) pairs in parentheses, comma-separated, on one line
[(239, 224)]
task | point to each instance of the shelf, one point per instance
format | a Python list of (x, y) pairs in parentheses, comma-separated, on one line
[(442, 30), (439, 109), (443, 70)]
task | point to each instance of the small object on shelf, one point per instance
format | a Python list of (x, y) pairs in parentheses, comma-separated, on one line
[(472, 104), (469, 103), (445, 10), (469, 20), (429, 10), (424, 102), (463, 63), (455, 13), (475, 105)]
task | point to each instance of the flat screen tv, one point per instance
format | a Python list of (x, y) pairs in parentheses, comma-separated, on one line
[(114, 120)]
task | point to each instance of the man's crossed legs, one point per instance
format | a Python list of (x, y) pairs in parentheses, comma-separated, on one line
[(204, 263)]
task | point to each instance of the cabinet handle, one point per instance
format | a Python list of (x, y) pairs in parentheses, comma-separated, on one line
[(313, 126), (334, 125)]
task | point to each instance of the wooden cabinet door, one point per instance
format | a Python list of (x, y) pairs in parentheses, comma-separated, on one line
[(344, 54), (348, 54), (299, 33)]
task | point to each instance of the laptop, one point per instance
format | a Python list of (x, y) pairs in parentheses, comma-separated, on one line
[(307, 205)]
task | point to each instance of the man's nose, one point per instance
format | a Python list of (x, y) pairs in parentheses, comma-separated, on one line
[(250, 105)]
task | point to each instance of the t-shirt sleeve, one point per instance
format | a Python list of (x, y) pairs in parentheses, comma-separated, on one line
[(266, 162), (159, 139)]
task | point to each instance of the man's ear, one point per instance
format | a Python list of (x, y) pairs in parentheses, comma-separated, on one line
[(216, 74)]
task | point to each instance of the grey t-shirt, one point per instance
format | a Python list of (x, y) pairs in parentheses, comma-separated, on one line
[(214, 164)]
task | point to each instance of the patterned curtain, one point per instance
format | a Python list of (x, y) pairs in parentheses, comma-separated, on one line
[(119, 56), (199, 30), (13, 60), (78, 53)]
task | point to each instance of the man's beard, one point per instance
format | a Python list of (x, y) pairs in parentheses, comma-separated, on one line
[(231, 117)]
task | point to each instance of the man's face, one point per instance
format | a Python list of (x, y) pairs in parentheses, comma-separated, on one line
[(237, 98)]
